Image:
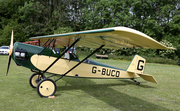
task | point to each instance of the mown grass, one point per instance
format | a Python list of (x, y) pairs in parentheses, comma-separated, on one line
[(81, 94)]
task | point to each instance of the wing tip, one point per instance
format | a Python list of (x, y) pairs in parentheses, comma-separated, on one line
[(172, 48)]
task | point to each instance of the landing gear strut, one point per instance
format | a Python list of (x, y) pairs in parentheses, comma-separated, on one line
[(137, 83), (45, 87)]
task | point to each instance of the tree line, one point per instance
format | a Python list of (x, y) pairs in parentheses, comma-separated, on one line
[(160, 19)]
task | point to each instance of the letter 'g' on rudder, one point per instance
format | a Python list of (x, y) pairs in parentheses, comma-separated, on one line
[(137, 64)]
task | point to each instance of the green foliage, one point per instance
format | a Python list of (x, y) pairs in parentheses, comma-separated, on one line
[(9, 20), (178, 50), (33, 18), (127, 54), (6, 33), (158, 19), (61, 30), (167, 53)]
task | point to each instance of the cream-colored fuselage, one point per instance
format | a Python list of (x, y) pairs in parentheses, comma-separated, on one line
[(83, 70)]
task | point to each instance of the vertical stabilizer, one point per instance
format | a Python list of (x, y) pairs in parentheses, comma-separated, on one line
[(137, 65)]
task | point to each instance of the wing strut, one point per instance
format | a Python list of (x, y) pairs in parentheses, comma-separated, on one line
[(62, 54), (52, 47), (46, 42), (46, 45), (81, 61)]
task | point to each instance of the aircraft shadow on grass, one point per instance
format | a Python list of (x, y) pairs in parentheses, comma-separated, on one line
[(110, 96)]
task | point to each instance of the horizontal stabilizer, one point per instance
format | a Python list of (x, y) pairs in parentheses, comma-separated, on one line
[(144, 76), (136, 67), (148, 78)]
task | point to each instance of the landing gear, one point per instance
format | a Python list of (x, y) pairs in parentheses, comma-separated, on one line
[(34, 79), (137, 83), (46, 88)]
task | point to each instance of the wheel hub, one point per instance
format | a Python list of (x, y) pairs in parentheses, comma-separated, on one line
[(37, 80)]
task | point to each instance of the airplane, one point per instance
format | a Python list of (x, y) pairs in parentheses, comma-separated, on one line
[(43, 59)]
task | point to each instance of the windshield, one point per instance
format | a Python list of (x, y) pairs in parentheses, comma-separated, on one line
[(4, 47)]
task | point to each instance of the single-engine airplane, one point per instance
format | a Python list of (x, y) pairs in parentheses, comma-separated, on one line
[(44, 59)]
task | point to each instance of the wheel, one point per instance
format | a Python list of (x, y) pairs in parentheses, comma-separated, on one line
[(46, 88), (34, 79), (137, 83)]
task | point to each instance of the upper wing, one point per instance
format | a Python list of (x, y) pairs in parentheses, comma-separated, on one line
[(115, 37)]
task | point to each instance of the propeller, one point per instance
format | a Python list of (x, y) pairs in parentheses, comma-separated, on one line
[(10, 53)]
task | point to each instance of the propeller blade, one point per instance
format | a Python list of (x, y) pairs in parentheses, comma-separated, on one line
[(10, 53), (9, 61), (11, 44)]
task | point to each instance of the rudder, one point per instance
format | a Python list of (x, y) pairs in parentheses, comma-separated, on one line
[(137, 65)]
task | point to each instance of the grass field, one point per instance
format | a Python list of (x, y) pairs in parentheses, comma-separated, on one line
[(80, 94)]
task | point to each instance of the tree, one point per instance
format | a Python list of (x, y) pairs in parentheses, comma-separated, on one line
[(6, 33), (34, 18), (9, 21)]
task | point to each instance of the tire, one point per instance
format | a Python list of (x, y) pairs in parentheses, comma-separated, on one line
[(46, 88), (137, 83), (34, 79)]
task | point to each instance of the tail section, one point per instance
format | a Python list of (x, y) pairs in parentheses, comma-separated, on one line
[(137, 66)]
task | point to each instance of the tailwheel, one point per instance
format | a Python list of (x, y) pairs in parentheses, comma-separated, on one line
[(46, 88), (34, 80), (137, 83)]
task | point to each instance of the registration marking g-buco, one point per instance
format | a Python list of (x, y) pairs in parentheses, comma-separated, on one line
[(106, 71)]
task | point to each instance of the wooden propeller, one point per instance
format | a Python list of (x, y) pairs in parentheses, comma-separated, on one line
[(10, 53)]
